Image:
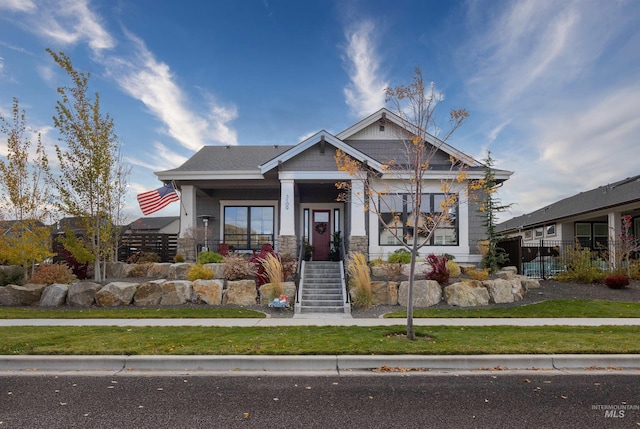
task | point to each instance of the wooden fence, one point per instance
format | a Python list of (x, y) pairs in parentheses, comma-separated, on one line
[(164, 245)]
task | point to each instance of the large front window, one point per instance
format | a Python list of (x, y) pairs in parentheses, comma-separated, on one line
[(398, 213), (248, 227)]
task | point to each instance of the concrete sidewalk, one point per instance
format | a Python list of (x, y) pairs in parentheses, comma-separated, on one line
[(326, 321)]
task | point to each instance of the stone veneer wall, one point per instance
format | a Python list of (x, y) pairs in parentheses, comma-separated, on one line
[(359, 244), (287, 244), (187, 249)]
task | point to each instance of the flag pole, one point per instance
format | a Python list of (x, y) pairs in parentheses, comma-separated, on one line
[(173, 183)]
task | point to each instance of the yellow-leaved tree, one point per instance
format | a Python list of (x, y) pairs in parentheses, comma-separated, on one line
[(91, 180), (26, 240), (396, 194)]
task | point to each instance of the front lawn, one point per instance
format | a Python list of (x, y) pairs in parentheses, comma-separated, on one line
[(204, 312), (317, 340), (547, 309)]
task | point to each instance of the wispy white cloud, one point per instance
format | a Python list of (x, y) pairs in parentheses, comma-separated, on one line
[(65, 22), (17, 5), (365, 92), (161, 158), (151, 81), (534, 68)]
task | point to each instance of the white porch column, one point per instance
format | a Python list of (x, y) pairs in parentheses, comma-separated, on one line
[(615, 229), (357, 209), (287, 208), (187, 208)]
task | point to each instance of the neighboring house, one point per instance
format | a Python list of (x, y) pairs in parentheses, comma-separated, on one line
[(286, 195), (158, 225), (593, 217), (12, 228)]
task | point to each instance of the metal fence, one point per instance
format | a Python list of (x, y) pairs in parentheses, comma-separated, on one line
[(546, 258)]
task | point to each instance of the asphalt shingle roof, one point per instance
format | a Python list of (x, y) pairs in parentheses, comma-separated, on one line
[(611, 195), (231, 158)]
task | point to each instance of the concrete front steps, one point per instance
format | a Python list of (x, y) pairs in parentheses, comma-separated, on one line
[(322, 291)]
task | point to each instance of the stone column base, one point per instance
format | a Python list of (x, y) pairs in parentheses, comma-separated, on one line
[(187, 248), (287, 244), (358, 243)]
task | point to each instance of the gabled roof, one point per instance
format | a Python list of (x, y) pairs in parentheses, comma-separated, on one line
[(152, 223), (317, 137), (387, 115), (252, 162), (616, 194)]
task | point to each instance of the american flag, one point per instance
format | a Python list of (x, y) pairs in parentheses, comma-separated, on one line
[(152, 201)]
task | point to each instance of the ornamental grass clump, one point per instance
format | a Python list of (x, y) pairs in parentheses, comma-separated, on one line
[(273, 273), (360, 280)]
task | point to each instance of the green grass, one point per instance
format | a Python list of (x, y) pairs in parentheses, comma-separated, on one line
[(546, 309), (438, 340), (129, 313)]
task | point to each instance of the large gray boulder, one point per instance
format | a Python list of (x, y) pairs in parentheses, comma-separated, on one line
[(7, 298), (240, 292), (116, 294), (82, 294), (528, 283), (466, 294), (179, 271), (500, 290), (54, 295), (208, 291), (384, 293), (116, 270), (159, 270), (148, 294), (176, 292), (218, 270), (425, 293), (28, 294)]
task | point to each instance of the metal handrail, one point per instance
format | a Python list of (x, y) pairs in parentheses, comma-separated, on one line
[(343, 265)]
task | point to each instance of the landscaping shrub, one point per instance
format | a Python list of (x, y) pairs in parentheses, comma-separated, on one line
[(236, 267), (53, 273), (617, 281), (376, 262), (476, 274), (200, 272), (360, 280), (289, 266), (11, 275), (454, 268), (210, 257), (582, 266), (401, 256), (179, 258), (143, 257), (439, 271)]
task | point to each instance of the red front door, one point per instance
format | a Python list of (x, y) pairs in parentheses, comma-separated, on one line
[(321, 234)]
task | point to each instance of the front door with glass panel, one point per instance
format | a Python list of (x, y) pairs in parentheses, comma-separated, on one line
[(321, 234)]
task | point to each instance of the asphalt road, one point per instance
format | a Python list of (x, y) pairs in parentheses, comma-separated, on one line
[(415, 400)]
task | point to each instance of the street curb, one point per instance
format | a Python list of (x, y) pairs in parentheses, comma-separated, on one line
[(323, 363)]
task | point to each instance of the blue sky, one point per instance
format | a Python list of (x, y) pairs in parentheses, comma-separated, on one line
[(553, 87)]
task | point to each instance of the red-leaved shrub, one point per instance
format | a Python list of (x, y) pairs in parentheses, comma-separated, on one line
[(439, 271), (617, 281)]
